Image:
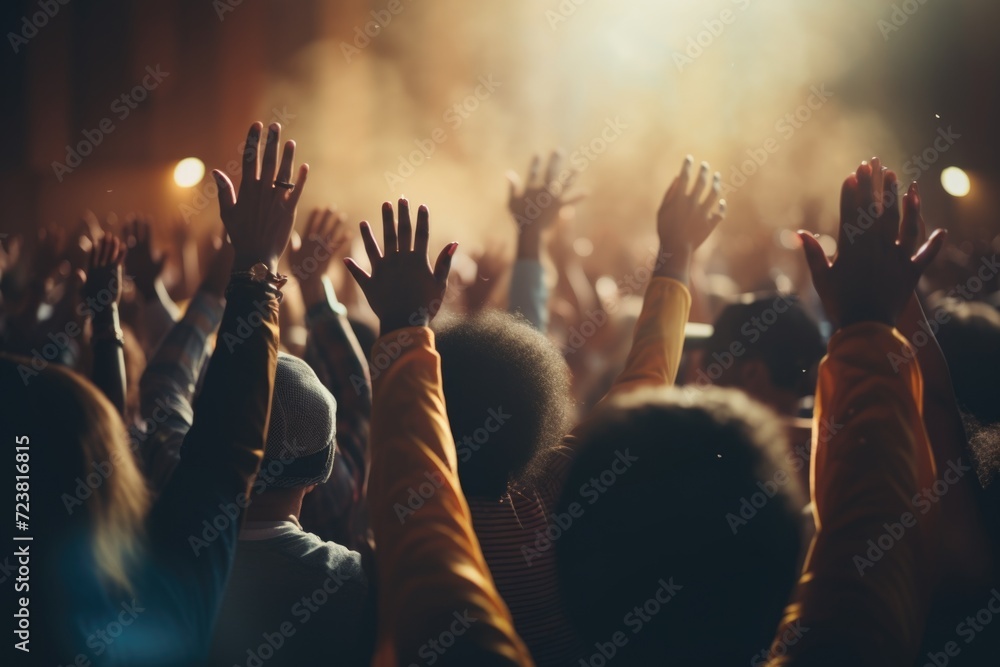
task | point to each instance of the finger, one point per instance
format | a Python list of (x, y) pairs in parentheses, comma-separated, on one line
[(514, 185), (423, 232), (312, 222), (389, 230), (405, 234), (300, 184), (848, 209), (866, 198), (287, 159), (717, 217), (371, 245), (889, 220), (102, 257), (815, 258), (909, 228), (359, 274), (913, 216), (684, 178), (227, 197), (251, 174), (270, 161), (533, 171), (929, 251), (700, 183), (705, 208), (442, 267), (295, 241), (552, 171), (325, 228), (878, 183)]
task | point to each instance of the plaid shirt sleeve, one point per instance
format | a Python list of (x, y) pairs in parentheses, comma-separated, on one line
[(336, 510), (168, 386)]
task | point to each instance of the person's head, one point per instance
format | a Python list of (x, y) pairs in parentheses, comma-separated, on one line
[(506, 388), (88, 498), (679, 512), (969, 335), (768, 347), (299, 450)]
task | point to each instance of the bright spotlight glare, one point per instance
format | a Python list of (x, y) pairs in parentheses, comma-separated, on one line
[(189, 172), (955, 182)]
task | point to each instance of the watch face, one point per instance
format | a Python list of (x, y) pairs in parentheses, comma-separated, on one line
[(258, 272)]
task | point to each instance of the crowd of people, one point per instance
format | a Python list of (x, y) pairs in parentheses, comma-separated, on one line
[(387, 461)]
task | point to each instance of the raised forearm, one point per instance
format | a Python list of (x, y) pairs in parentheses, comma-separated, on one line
[(108, 372)]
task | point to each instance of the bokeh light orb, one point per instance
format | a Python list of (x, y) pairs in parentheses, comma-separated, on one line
[(189, 172), (955, 182)]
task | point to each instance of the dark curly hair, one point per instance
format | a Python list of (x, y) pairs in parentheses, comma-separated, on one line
[(507, 391), (681, 489)]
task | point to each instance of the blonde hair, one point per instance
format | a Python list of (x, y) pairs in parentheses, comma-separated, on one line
[(118, 506)]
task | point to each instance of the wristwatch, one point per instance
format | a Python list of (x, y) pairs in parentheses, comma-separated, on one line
[(260, 274)]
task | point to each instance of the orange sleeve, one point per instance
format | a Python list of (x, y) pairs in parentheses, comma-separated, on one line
[(658, 339), (864, 592), (437, 600)]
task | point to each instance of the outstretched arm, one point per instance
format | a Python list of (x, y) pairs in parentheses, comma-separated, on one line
[(535, 209), (225, 445), (144, 265), (966, 561), (103, 292), (686, 217), (168, 384), (335, 510), (431, 571), (871, 459)]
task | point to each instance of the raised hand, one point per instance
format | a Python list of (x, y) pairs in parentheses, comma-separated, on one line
[(537, 206), (324, 236), (104, 274), (878, 262), (260, 220), (143, 264), (686, 217), (403, 290)]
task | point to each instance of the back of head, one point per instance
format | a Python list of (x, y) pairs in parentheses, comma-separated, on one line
[(970, 339), (300, 438), (679, 514), (775, 330), (969, 335), (506, 388), (87, 497)]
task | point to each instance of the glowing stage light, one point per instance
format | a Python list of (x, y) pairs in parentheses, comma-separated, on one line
[(955, 182), (189, 172)]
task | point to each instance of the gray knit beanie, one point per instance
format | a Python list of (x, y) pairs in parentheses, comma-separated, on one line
[(300, 439)]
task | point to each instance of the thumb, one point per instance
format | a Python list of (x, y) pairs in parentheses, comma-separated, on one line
[(359, 274), (514, 183), (442, 267), (929, 251), (815, 258)]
